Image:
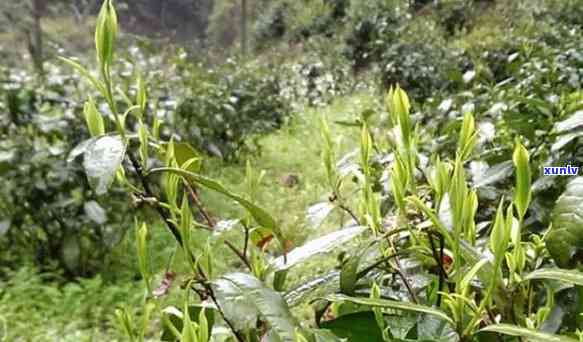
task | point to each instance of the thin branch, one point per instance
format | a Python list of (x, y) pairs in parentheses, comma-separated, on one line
[(400, 272), (246, 247), (148, 192), (199, 205), (375, 265), (239, 254), (350, 212), (215, 301), (439, 261), (212, 224)]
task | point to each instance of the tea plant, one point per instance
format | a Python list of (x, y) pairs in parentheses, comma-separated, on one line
[(428, 264)]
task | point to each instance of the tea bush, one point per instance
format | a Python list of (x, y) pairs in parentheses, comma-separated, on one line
[(228, 108), (428, 253), (55, 220)]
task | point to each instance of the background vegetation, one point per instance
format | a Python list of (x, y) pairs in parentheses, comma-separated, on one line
[(286, 102)]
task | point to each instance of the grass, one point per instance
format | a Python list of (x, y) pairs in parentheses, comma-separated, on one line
[(36, 307)]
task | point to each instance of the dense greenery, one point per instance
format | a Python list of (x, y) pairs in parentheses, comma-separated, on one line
[(383, 182)]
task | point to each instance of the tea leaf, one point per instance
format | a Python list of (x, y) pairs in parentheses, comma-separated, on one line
[(513, 330), (269, 304), (565, 239), (93, 119), (385, 303), (101, 160), (323, 244), (522, 191), (567, 276)]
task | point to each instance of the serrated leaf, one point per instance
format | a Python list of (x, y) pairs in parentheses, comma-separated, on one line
[(565, 239), (323, 244), (386, 303), (271, 306), (313, 288), (566, 276), (236, 305), (101, 161), (513, 330)]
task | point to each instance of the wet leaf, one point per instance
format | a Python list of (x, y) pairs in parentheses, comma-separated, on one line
[(323, 244), (513, 330), (572, 122), (95, 212), (101, 161), (493, 174), (268, 303), (567, 276), (318, 212)]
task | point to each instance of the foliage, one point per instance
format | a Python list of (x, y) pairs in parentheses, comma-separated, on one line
[(425, 250), (36, 305), (56, 218), (227, 108), (374, 25), (449, 231)]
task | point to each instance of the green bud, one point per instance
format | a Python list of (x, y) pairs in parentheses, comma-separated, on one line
[(499, 235), (143, 137), (203, 328), (142, 249), (105, 33), (401, 107), (141, 96), (522, 191), (93, 119), (468, 135), (365, 148)]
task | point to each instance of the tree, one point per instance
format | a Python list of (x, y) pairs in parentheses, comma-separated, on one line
[(25, 17), (244, 27)]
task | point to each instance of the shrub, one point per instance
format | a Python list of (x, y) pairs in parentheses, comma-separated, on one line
[(228, 108), (423, 267), (49, 213), (424, 69), (373, 26)]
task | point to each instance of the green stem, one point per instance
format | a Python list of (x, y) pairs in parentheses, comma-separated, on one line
[(497, 265)]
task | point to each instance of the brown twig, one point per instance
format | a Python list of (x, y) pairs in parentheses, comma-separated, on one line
[(211, 223), (220, 310), (350, 212), (439, 261), (148, 193), (246, 246), (397, 268), (239, 254), (199, 205)]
